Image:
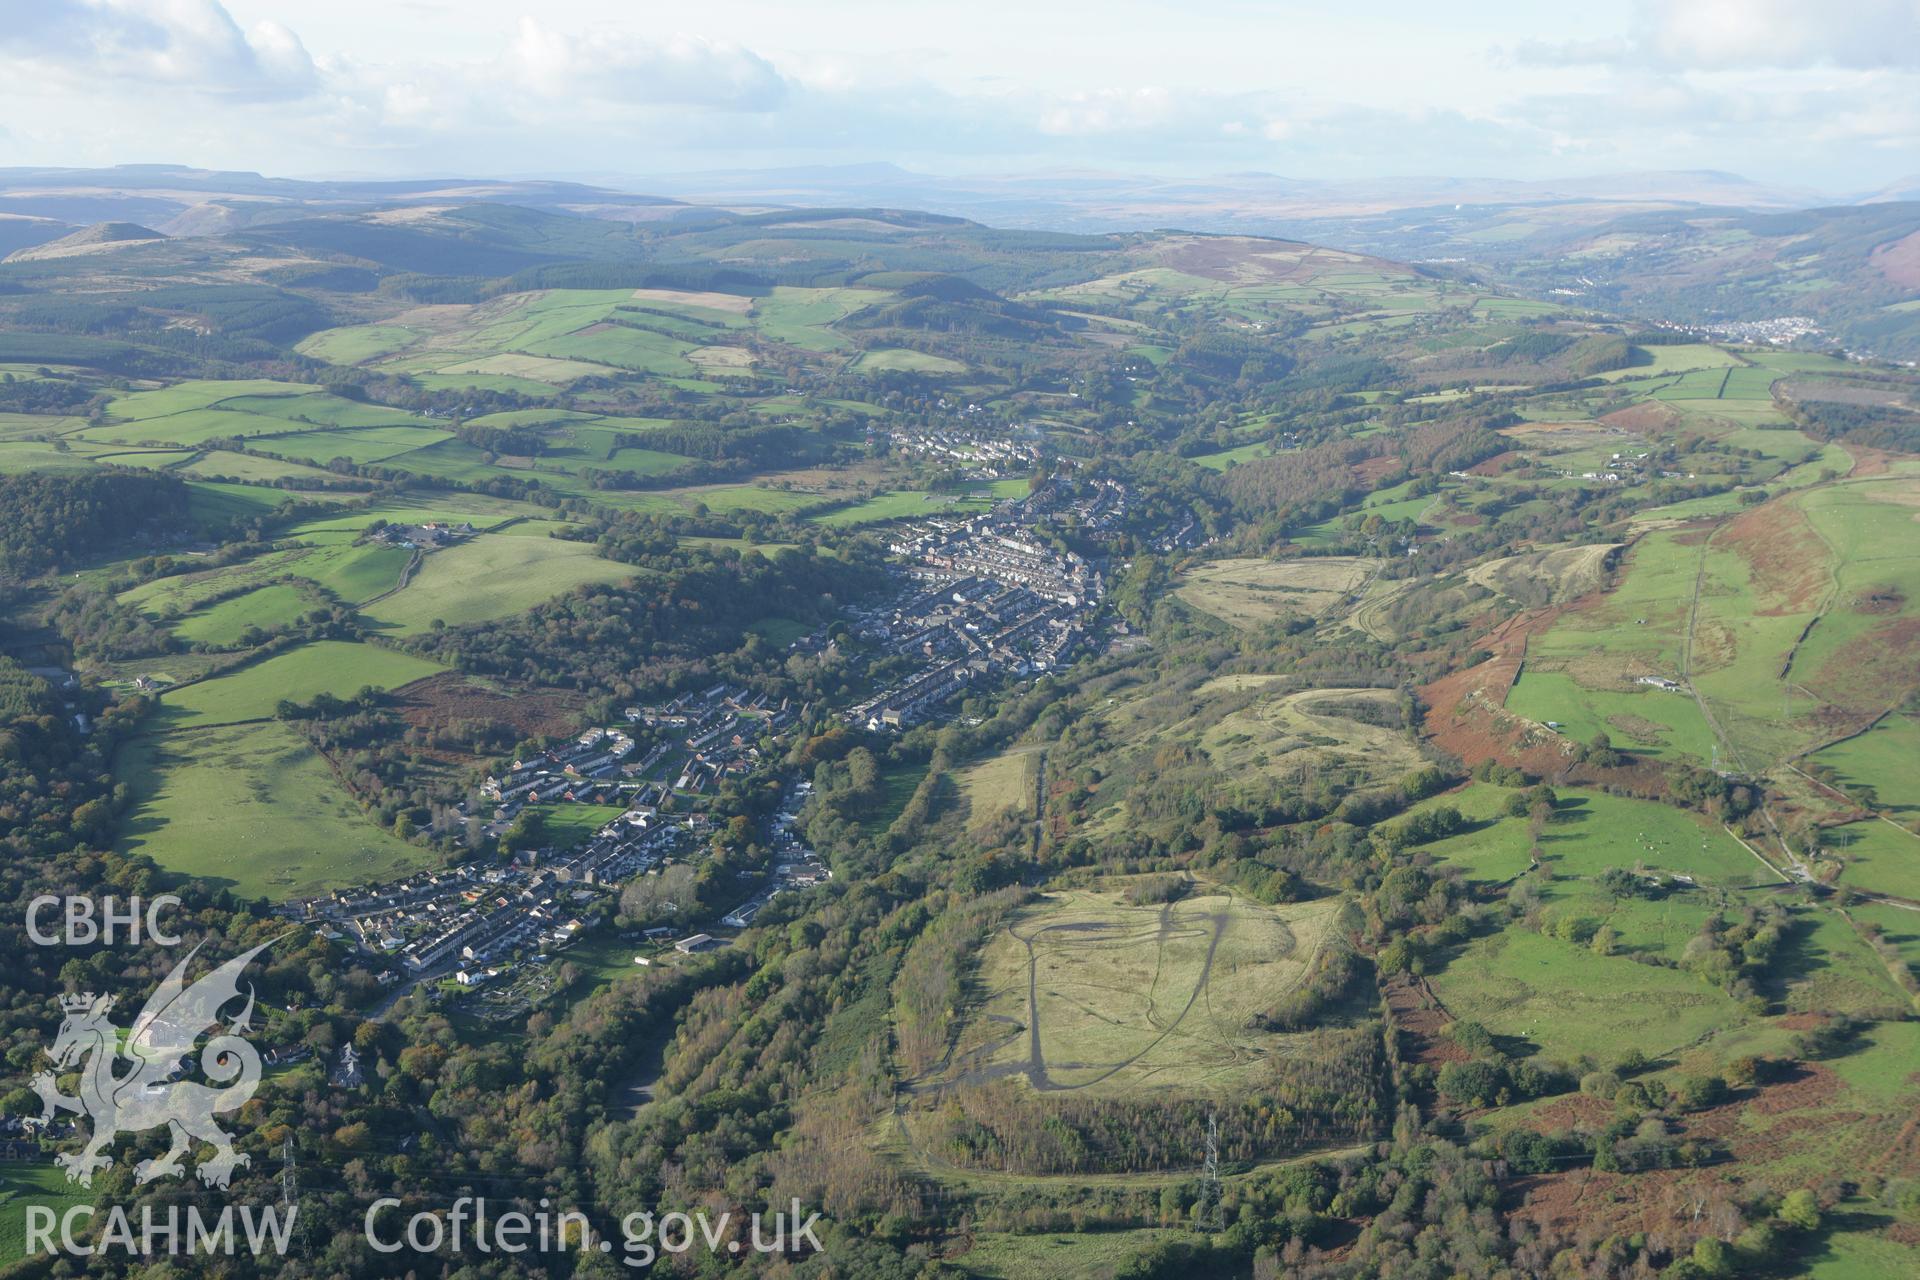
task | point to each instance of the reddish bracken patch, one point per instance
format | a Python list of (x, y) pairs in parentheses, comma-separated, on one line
[(1495, 465), (1876, 667), (1373, 470), (439, 701), (1465, 710), (1420, 1016), (1868, 461), (1649, 417), (1899, 260), (1812, 1085), (1790, 570)]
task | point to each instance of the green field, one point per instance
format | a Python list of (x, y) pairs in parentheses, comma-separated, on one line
[(224, 623), (356, 344), (356, 444), (1678, 358), (1645, 721), (1880, 858), (905, 504), (352, 572), (801, 317), (492, 576), (1569, 1001), (1819, 584), (256, 807), (32, 1182), (20, 456), (1590, 832), (1233, 457), (776, 631), (535, 341), (568, 826), (246, 466), (1881, 758), (339, 667), (902, 360)]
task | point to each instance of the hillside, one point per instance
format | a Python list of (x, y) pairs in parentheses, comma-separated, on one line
[(100, 238), (963, 727)]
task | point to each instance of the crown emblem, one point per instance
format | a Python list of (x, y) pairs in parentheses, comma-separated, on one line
[(77, 1004)]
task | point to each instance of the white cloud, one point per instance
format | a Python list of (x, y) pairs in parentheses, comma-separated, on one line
[(193, 44), (1107, 111), (1719, 35), (619, 68), (1778, 88)]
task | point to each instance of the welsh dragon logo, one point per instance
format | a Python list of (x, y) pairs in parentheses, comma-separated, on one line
[(146, 1096)]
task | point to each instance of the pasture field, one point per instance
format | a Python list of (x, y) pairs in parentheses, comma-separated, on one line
[(1641, 720), (1679, 358), (1246, 594), (511, 368), (349, 571), (1882, 758), (1590, 832), (904, 504), (318, 409), (1830, 968), (1880, 858), (247, 466), (256, 808), (491, 576), (1859, 654), (356, 444), (720, 498), (551, 337), (902, 360), (559, 468), (20, 456), (479, 509), (1899, 927), (1233, 457), (1861, 1254), (183, 397), (1569, 1001), (224, 623), (339, 667), (357, 344), (25, 1182), (803, 317), (250, 409), (188, 429), (212, 504), (1009, 780), (1081, 991)]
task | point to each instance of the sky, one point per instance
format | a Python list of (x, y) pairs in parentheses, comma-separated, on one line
[(1818, 94)]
